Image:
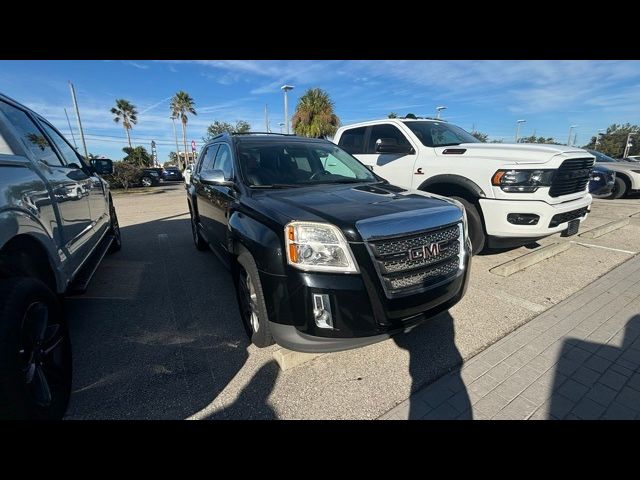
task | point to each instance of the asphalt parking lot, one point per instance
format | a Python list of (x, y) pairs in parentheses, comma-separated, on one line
[(158, 333)]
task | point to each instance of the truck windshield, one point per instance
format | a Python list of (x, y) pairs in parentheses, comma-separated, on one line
[(278, 165), (439, 134)]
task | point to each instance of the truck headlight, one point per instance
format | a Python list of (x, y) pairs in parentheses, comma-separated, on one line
[(522, 181), (320, 247)]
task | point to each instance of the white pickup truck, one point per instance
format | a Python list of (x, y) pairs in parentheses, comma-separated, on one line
[(514, 193)]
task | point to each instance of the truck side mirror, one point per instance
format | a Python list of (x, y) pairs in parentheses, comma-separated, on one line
[(390, 145), (102, 166)]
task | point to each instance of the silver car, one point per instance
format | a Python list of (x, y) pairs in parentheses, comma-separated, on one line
[(627, 174)]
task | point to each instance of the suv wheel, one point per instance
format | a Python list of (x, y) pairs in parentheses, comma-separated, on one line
[(253, 309), (197, 238), (619, 189), (476, 230), (114, 229), (146, 181), (35, 351)]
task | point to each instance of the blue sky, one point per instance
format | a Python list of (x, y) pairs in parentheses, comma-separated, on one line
[(487, 95)]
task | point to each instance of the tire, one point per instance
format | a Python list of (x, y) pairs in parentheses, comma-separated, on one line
[(35, 352), (114, 230), (199, 242), (253, 309), (619, 189), (476, 228), (146, 181)]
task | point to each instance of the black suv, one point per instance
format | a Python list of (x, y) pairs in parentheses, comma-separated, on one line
[(325, 254)]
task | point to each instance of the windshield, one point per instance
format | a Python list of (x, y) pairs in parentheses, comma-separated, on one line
[(602, 158), (439, 134), (299, 164)]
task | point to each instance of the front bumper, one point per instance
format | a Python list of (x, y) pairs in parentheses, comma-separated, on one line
[(362, 314), (495, 214)]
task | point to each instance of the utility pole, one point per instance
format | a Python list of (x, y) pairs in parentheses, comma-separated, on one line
[(285, 89), (266, 118), (628, 144), (518, 123), (570, 132), (281, 125), (154, 153), (595, 144), (70, 129), (75, 105)]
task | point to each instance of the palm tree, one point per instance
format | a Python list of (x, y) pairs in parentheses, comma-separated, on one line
[(314, 116), (125, 111), (181, 105)]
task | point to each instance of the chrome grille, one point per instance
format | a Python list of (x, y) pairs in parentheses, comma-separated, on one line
[(399, 273)]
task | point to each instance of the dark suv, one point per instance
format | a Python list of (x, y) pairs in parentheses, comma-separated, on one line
[(325, 254)]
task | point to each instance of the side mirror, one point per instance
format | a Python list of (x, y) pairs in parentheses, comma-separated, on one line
[(102, 166), (390, 145), (215, 177)]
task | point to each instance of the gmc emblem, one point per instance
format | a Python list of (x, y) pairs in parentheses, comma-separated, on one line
[(426, 251)]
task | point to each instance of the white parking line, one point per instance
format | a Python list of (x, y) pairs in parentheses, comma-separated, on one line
[(604, 248)]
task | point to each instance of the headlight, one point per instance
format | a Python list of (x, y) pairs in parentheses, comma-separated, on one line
[(319, 247), (522, 181)]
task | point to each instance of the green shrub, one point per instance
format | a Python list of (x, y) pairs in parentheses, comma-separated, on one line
[(124, 175)]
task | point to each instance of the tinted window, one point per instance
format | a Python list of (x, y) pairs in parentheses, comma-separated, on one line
[(206, 163), (601, 157), (387, 131), (439, 134), (352, 140), (223, 161), (297, 164), (30, 135), (68, 153)]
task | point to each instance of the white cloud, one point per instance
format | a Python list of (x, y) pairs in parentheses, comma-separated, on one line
[(139, 66)]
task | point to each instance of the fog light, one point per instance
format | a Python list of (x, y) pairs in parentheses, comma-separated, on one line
[(322, 311), (523, 218)]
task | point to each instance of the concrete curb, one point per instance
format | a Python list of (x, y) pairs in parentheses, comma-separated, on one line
[(288, 359), (529, 259), (604, 229)]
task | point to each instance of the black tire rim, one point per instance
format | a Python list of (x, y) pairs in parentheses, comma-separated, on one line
[(42, 355), (249, 301), (115, 226)]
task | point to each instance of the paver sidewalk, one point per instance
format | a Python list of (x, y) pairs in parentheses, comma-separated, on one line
[(578, 360)]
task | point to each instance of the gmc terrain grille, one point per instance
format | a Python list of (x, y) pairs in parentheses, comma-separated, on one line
[(567, 216), (571, 177), (413, 262)]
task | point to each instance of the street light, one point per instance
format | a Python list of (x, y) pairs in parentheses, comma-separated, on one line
[(439, 109), (281, 125), (570, 131), (518, 123), (598, 133), (285, 89)]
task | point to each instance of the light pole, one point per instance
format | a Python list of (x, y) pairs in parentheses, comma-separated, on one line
[(439, 109), (518, 123), (628, 144), (570, 131), (285, 89), (595, 145), (281, 125)]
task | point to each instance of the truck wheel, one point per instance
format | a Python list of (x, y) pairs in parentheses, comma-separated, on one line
[(619, 189), (35, 351), (253, 309), (476, 230), (146, 181), (197, 239), (114, 229)]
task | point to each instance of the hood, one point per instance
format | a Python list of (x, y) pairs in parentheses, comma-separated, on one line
[(620, 166), (518, 153), (344, 205)]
